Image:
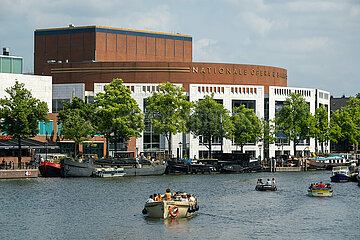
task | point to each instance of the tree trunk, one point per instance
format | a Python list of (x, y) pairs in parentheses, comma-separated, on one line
[(322, 147), (115, 142), (107, 146), (75, 150), (169, 144), (294, 147), (19, 152), (210, 152)]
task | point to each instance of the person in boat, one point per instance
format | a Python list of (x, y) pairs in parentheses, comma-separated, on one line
[(184, 198), (151, 199), (268, 182), (191, 198), (273, 181), (168, 195), (328, 185), (258, 182), (154, 196), (158, 197)]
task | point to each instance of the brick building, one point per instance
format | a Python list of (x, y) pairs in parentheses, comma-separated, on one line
[(82, 60)]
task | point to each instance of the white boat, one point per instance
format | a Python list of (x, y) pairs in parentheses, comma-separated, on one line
[(109, 172), (171, 209)]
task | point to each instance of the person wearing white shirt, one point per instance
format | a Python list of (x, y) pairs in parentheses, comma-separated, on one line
[(268, 182), (151, 199)]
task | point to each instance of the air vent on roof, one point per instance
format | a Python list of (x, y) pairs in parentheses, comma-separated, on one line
[(6, 51)]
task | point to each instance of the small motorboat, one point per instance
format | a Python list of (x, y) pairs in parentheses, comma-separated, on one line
[(320, 190), (266, 187), (340, 174), (178, 207), (109, 172)]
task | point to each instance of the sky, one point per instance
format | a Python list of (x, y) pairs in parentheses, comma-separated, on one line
[(318, 42)]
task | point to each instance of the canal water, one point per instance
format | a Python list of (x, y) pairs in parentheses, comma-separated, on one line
[(230, 208)]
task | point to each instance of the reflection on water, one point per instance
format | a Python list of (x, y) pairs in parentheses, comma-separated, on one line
[(170, 222), (230, 208)]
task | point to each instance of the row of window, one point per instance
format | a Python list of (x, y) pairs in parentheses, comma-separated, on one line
[(211, 89), (282, 91), (324, 95), (150, 88), (243, 90)]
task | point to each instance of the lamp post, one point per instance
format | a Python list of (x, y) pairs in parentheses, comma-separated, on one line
[(46, 146)]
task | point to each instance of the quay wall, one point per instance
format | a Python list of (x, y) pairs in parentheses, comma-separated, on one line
[(288, 169), (19, 173)]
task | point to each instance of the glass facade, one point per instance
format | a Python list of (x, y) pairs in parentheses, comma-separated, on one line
[(250, 104), (97, 148), (151, 139), (58, 104), (11, 64), (67, 148), (45, 128)]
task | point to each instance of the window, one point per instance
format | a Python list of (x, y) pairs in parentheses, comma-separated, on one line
[(45, 128), (58, 104), (251, 104)]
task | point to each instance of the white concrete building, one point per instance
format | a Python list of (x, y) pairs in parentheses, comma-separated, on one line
[(39, 86), (229, 95)]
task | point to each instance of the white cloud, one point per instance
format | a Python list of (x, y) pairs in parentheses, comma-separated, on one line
[(156, 19), (355, 11), (313, 44), (257, 24), (206, 50), (319, 6)]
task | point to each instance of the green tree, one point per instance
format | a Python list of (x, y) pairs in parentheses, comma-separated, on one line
[(206, 120), (345, 123), (76, 127), (86, 110), (267, 133), (168, 111), (247, 126), (76, 122), (118, 115), (322, 126), (295, 120), (20, 113)]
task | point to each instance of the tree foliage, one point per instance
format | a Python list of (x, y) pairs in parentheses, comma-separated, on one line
[(76, 127), (322, 126), (20, 113), (206, 120), (118, 116), (345, 123), (247, 126), (294, 119), (75, 120), (268, 132), (168, 111), (86, 110)]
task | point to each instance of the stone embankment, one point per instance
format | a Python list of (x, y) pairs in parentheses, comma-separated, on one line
[(19, 173)]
